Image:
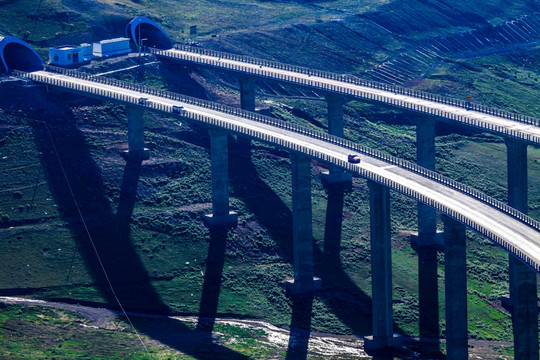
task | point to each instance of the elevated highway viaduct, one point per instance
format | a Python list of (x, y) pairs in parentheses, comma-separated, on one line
[(517, 130), (460, 205)]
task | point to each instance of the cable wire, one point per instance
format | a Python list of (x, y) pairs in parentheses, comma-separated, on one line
[(93, 244)]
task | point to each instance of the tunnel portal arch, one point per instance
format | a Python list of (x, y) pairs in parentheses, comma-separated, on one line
[(16, 54), (151, 33)]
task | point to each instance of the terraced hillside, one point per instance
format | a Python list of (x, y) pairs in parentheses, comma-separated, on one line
[(162, 259)]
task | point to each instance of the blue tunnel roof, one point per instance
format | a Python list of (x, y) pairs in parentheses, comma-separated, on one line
[(17, 54), (152, 34)]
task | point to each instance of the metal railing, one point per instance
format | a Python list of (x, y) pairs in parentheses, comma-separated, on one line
[(316, 78), (304, 131), (213, 121)]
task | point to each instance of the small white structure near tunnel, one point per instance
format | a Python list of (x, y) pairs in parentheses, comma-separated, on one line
[(111, 47), (70, 54), (67, 55)]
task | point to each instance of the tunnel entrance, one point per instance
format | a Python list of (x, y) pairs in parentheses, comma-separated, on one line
[(147, 33), (16, 54)]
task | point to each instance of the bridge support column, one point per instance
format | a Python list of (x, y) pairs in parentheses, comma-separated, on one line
[(335, 181), (221, 216), (247, 93), (135, 120), (522, 279), (381, 269), (304, 281), (455, 289), (335, 127), (427, 242), (333, 223), (247, 102)]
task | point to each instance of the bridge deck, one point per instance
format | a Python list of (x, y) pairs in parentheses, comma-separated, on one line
[(512, 234), (492, 120)]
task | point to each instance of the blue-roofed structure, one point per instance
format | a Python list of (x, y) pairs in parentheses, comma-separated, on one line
[(146, 33), (17, 54)]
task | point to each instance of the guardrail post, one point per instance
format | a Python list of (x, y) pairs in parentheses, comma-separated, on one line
[(455, 289), (219, 162), (381, 269), (522, 279), (427, 242), (136, 151), (304, 281)]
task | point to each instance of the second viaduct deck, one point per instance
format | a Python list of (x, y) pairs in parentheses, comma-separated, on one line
[(474, 115)]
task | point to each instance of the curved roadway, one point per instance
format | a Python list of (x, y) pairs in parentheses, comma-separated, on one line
[(509, 232), (487, 119)]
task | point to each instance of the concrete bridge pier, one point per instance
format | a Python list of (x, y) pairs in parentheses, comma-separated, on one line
[(381, 269), (522, 279), (136, 151), (333, 223), (247, 102), (304, 281), (219, 155), (335, 127), (455, 289), (428, 241), (247, 93), (336, 181)]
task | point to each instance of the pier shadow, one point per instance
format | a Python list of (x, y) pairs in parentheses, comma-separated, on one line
[(340, 293), (300, 329), (260, 198), (212, 279), (331, 271), (128, 190), (348, 302), (103, 238), (333, 221)]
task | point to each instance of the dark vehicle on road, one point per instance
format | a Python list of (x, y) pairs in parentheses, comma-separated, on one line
[(353, 158)]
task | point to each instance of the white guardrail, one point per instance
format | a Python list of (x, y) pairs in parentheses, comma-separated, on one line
[(193, 54), (207, 120)]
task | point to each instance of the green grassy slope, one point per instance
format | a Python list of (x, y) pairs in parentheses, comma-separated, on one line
[(159, 260)]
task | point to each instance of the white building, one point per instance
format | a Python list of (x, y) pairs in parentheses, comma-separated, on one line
[(110, 47), (70, 54)]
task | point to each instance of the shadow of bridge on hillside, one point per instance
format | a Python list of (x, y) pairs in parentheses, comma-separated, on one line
[(103, 238), (351, 305)]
